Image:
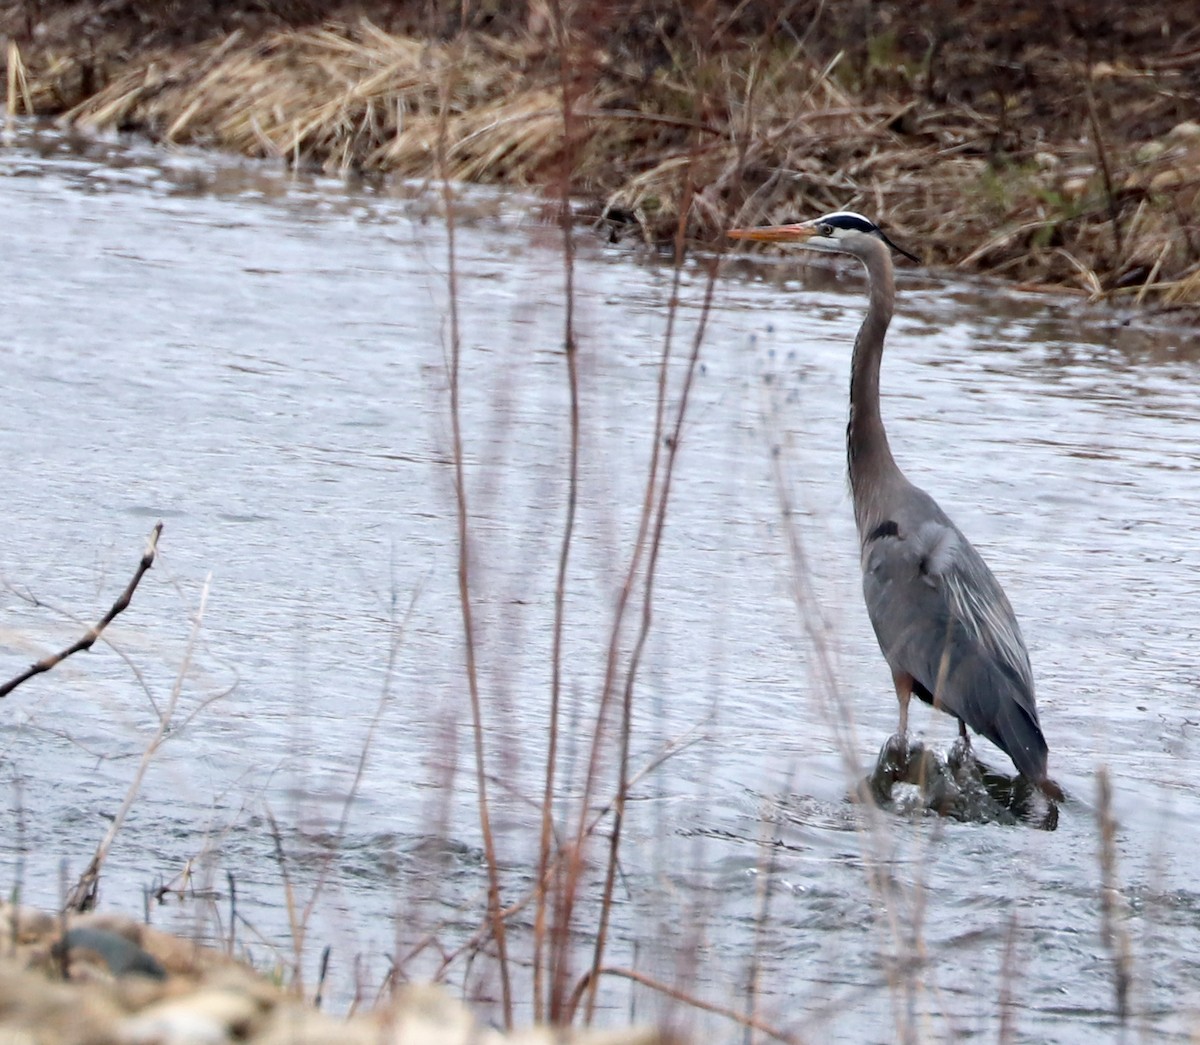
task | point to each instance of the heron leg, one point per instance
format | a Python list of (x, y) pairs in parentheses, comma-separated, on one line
[(904, 687)]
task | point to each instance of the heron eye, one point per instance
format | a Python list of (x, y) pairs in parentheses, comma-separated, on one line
[(825, 230)]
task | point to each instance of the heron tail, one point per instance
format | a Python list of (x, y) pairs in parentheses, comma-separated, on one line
[(1019, 735)]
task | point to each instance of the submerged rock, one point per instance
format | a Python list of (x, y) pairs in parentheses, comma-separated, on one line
[(957, 786)]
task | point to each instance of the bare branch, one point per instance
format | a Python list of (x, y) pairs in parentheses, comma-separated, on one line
[(83, 896), (466, 603), (93, 633), (691, 1000)]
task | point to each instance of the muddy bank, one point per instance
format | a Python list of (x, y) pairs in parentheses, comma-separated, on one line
[(1056, 147)]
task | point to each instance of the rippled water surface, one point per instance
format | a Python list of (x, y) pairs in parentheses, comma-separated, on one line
[(260, 362)]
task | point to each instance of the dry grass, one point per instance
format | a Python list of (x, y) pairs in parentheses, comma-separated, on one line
[(357, 99), (1100, 199)]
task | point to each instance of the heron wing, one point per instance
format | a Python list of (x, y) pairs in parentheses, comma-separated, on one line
[(942, 617)]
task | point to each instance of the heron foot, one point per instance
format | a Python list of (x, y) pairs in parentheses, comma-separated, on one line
[(902, 761), (896, 753), (961, 757), (958, 786)]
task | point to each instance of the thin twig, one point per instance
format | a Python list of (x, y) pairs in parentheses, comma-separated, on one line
[(298, 919), (571, 349), (18, 84), (232, 882), (324, 971), (1008, 976), (768, 867), (464, 560), (18, 889), (660, 519), (83, 896), (574, 869), (670, 749), (297, 925), (39, 603), (46, 663), (1110, 196), (1113, 933), (756, 1023)]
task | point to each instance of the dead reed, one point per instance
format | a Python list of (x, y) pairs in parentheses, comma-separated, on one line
[(775, 113), (549, 876), (1113, 932), (495, 913)]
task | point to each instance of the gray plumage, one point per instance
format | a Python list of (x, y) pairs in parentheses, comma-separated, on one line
[(942, 620)]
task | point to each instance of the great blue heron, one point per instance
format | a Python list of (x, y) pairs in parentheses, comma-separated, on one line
[(942, 620)]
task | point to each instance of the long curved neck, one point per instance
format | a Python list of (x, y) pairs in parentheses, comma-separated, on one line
[(872, 467)]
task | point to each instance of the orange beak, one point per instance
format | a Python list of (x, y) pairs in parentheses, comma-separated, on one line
[(775, 233)]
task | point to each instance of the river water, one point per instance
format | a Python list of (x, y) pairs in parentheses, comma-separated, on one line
[(259, 360)]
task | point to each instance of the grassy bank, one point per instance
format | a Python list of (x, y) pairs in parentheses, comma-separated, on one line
[(1056, 150), (1056, 147)]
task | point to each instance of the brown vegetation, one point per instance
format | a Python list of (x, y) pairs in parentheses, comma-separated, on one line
[(95, 979), (1055, 145)]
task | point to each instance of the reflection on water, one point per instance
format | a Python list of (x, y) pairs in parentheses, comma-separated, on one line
[(260, 361)]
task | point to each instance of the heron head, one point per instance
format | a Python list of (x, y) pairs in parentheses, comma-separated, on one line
[(838, 233)]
